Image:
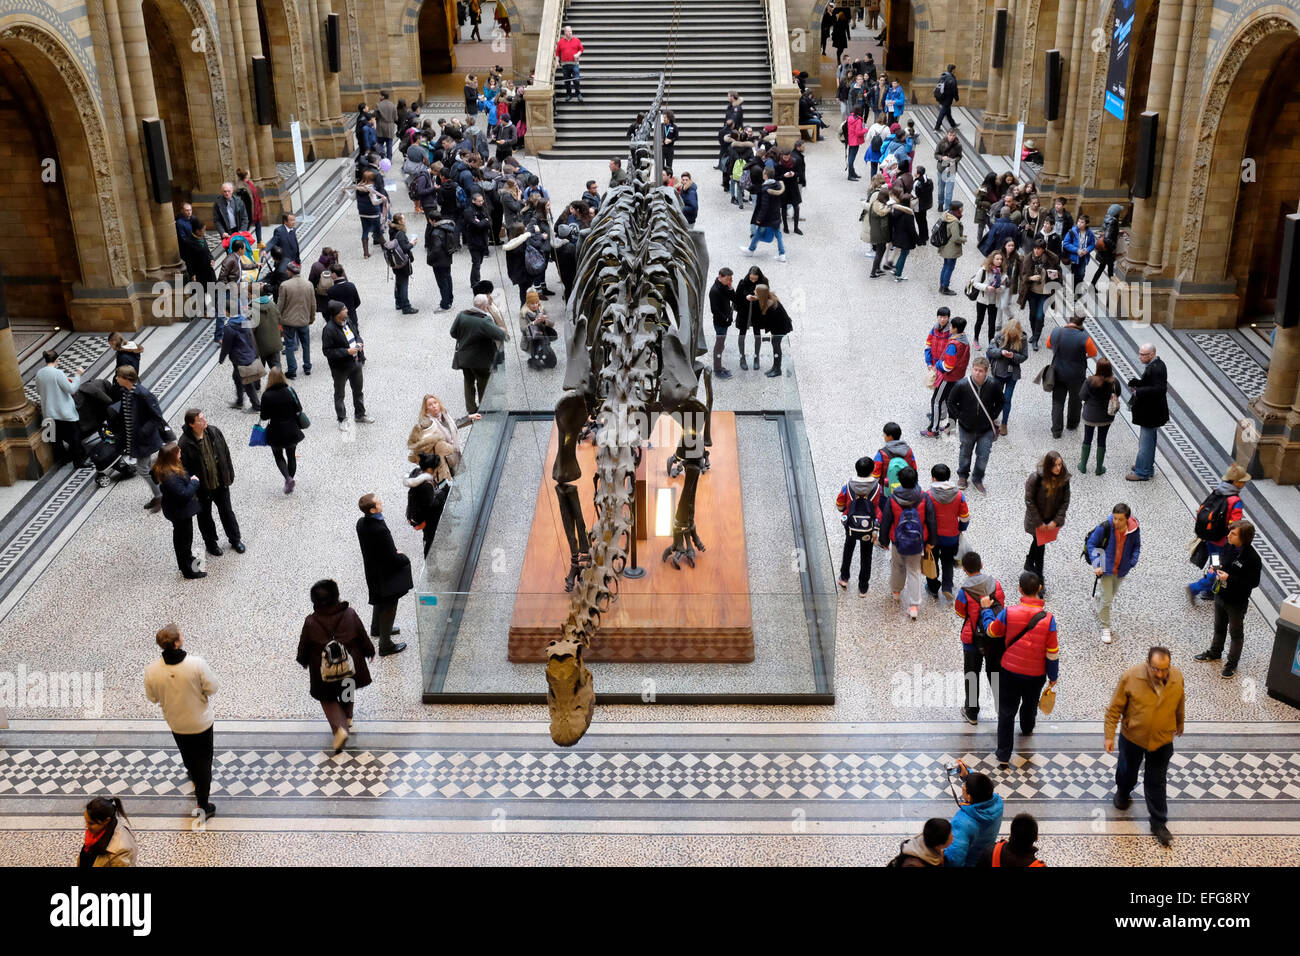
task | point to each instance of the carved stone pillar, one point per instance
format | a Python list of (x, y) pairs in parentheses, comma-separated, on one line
[(261, 156), (23, 454), (1075, 82), (1278, 410), (539, 102), (997, 77), (1158, 96), (1164, 192), (1057, 165)]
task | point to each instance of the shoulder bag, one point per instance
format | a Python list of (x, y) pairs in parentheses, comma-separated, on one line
[(1047, 377), (252, 373), (303, 420), (980, 402)]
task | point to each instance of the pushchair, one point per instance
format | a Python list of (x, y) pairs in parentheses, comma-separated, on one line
[(97, 415)]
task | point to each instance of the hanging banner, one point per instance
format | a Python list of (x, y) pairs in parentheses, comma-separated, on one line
[(1117, 73), (295, 134)]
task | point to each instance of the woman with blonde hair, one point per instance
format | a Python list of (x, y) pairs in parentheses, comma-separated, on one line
[(769, 316), (536, 331), (436, 433), (180, 503), (1005, 354)]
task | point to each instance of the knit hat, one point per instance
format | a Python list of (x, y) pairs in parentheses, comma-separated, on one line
[(894, 127)]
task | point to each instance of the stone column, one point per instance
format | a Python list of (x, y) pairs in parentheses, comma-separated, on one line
[(1075, 90), (261, 153), (1057, 166), (1278, 411), (23, 454), (331, 108), (131, 128), (1164, 191), (1006, 94), (1158, 100), (993, 96), (136, 46)]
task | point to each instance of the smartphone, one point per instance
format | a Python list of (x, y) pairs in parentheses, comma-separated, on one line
[(953, 772), (1214, 561)]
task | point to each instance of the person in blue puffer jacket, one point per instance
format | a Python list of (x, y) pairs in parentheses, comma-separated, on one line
[(1077, 247), (977, 820), (1113, 548)]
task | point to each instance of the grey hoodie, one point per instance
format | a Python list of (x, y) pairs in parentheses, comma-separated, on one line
[(944, 492), (916, 847), (863, 487), (979, 585), (1228, 488), (897, 448)]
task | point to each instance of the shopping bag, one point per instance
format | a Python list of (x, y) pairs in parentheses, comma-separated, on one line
[(258, 438)]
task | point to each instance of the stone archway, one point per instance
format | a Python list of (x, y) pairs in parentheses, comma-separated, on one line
[(437, 32), (84, 158), (282, 45), (1250, 58)]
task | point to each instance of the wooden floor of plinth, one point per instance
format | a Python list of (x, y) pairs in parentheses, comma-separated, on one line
[(688, 615)]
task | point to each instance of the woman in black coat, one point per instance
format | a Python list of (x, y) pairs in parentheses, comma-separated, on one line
[(923, 190), (280, 411), (902, 232), (402, 276), (794, 178), (769, 316), (333, 620), (180, 503), (745, 308)]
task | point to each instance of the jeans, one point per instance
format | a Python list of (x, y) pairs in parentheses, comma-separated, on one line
[(982, 443), (767, 234), (1205, 583), (1062, 393), (1228, 620), (402, 281), (864, 563), (242, 388), (945, 273), (853, 158), (945, 109), (386, 146), (293, 336), (355, 378), (572, 79), (1016, 692), (442, 275), (1107, 584), (898, 263), (737, 193), (1131, 757), (1037, 309), (1008, 389), (906, 578), (229, 523), (972, 660), (945, 556), (476, 380), (947, 182), (1145, 466), (370, 227), (196, 754)]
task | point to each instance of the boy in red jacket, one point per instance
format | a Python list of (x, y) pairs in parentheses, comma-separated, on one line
[(951, 516), (976, 586)]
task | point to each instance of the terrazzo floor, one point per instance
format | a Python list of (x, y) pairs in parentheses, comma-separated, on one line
[(857, 350)]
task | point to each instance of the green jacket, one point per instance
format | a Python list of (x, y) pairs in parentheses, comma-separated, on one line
[(476, 338), (265, 318), (956, 237)]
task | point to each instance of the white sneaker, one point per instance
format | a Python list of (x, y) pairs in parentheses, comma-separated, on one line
[(343, 425), (780, 257), (746, 250), (1106, 635)]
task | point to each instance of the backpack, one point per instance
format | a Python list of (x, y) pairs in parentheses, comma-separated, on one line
[(335, 662), (745, 179), (738, 170), (844, 132), (938, 91), (534, 261), (1212, 517), (461, 198), (860, 519), (876, 143), (1105, 540), (979, 635), (895, 464), (939, 233), (421, 184), (396, 257), (909, 530)]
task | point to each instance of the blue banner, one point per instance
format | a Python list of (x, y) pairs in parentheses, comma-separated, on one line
[(1120, 44)]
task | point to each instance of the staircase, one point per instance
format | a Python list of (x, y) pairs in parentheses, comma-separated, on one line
[(721, 45)]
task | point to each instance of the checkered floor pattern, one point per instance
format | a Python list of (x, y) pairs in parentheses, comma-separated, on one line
[(651, 775)]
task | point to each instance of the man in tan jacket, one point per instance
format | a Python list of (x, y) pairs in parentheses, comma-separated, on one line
[(1149, 702)]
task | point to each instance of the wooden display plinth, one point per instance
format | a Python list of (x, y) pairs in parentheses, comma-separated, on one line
[(669, 615)]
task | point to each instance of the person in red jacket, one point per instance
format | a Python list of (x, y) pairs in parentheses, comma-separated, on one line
[(569, 49), (907, 523), (950, 368), (1220, 509), (951, 516), (1029, 657), (976, 587), (894, 447)]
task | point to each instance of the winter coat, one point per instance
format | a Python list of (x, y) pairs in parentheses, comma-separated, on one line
[(264, 320), (342, 624), (721, 305), (345, 291), (475, 225), (1104, 557), (967, 602), (951, 511), (1243, 566), (148, 426), (856, 131), (403, 243), (121, 849), (1030, 267), (915, 853), (1001, 230), (56, 391), (965, 410), (954, 359), (902, 227), (974, 830), (878, 217), (923, 190), (180, 500), (388, 571), (1150, 719), (1110, 233), (1150, 403), (896, 100), (1042, 506), (1078, 246), (767, 210), (1096, 401), (775, 321), (691, 203), (476, 336), (297, 303), (192, 456), (956, 238), (1071, 347), (183, 685), (935, 342), (280, 408), (334, 344), (745, 309), (237, 343), (906, 498), (439, 243), (989, 293), (1000, 366)]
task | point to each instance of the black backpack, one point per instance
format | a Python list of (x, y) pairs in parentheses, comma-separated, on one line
[(421, 184), (860, 519), (979, 636), (876, 143), (939, 233), (1105, 540), (1212, 517)]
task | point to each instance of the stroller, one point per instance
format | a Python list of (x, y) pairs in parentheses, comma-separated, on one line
[(97, 417)]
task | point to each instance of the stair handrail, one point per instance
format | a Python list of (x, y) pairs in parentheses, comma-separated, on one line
[(539, 100), (785, 92)]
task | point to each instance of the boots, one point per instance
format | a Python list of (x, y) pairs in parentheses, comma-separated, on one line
[(743, 364), (758, 341), (1083, 462), (1101, 458), (365, 247), (775, 370), (719, 342)]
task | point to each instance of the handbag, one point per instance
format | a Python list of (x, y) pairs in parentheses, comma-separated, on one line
[(972, 293), (1047, 377), (928, 565), (931, 378), (1200, 554), (253, 372), (303, 420), (1047, 702), (1112, 404), (258, 438)]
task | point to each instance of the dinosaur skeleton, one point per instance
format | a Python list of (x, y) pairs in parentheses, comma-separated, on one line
[(634, 350)]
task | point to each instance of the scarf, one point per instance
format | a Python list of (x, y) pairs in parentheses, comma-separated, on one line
[(94, 845)]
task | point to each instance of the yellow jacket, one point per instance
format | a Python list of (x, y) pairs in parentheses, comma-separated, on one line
[(1150, 718)]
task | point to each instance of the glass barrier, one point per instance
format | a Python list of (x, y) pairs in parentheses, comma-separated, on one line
[(753, 621)]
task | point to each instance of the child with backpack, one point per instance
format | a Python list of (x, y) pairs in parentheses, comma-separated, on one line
[(1217, 512), (951, 516), (949, 369), (907, 523), (892, 457), (857, 505), (979, 599), (1112, 549)]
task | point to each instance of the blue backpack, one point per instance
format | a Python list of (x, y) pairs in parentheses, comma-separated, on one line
[(909, 532), (860, 519)]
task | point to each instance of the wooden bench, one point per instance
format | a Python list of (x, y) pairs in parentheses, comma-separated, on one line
[(813, 128)]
